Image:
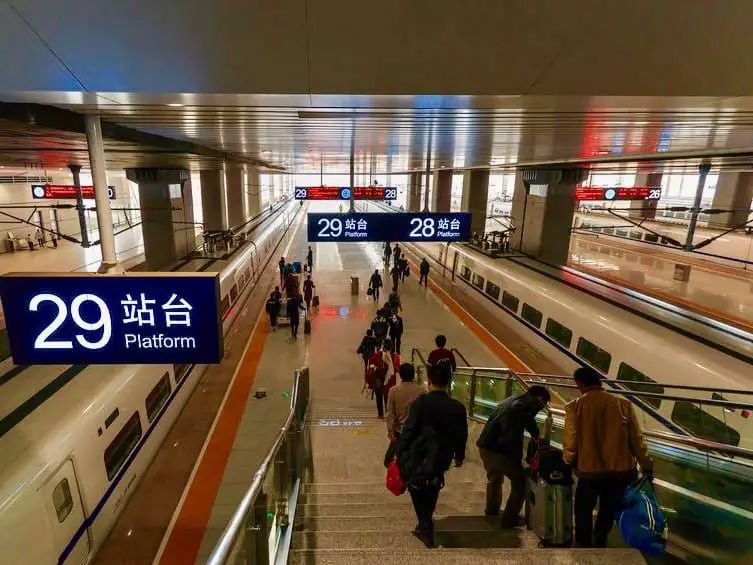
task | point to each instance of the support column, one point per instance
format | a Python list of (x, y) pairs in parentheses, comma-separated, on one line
[(76, 172), (414, 193), (183, 218), (161, 190), (475, 197), (734, 191), (642, 209), (545, 216), (213, 203), (253, 192), (95, 145), (234, 184), (442, 196)]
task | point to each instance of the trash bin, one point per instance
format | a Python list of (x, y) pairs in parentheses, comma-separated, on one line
[(682, 272), (354, 285)]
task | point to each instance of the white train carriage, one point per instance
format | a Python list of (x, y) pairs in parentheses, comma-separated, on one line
[(575, 329), (74, 450)]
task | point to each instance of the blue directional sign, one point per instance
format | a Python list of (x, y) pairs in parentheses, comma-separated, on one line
[(389, 227), (71, 319)]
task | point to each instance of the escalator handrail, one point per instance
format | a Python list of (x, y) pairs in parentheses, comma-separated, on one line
[(462, 357)]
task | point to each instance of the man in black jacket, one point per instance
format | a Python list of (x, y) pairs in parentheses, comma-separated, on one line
[(434, 434), (396, 330), (501, 447)]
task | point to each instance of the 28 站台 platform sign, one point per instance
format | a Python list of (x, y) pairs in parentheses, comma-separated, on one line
[(389, 226), (71, 319)]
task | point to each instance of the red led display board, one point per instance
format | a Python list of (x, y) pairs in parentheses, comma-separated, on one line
[(617, 193), (345, 193), (65, 191)]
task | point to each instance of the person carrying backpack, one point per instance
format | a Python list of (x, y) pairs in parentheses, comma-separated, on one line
[(368, 347), (273, 310), (380, 326), (603, 441), (394, 302), (381, 375), (434, 435), (375, 283)]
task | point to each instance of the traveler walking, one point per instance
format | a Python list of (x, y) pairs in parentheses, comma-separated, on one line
[(441, 353), (395, 274), (40, 238), (434, 434), (404, 268), (602, 440), (281, 267), (368, 347), (30, 242), (501, 448), (400, 399), (396, 254), (381, 374), (380, 327), (294, 307), (387, 253), (310, 257), (424, 271), (375, 283), (393, 301), (396, 331), (277, 295), (273, 310), (308, 291)]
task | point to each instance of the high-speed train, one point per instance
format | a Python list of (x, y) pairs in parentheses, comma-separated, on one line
[(75, 441), (576, 329)]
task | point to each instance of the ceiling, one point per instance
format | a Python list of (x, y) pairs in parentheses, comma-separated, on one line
[(497, 84)]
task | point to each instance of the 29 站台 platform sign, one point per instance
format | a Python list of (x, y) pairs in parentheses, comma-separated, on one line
[(389, 226), (71, 319)]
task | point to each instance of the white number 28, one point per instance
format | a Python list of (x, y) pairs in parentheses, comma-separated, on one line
[(422, 227)]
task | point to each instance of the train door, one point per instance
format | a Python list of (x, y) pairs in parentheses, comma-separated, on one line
[(63, 503), (454, 265)]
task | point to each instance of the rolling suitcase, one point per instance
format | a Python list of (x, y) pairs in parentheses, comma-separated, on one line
[(549, 511)]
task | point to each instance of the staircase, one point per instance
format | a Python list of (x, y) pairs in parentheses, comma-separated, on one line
[(346, 516)]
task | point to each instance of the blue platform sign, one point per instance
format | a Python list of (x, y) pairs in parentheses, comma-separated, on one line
[(140, 318), (389, 226)]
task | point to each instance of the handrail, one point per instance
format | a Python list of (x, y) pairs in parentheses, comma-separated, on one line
[(415, 352), (456, 351), (658, 435), (237, 525), (641, 383)]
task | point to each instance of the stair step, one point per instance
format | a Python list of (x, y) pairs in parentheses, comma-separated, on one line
[(385, 497), (467, 557), (405, 540), (386, 509), (398, 522), (378, 487)]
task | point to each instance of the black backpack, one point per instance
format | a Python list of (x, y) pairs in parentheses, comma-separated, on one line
[(418, 461), (380, 327)]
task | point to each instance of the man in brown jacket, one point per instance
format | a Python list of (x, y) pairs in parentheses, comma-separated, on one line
[(602, 441), (400, 399)]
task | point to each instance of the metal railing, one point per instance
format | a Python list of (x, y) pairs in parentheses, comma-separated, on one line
[(261, 527), (704, 486)]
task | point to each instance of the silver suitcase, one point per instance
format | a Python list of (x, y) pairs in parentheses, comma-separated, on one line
[(549, 511)]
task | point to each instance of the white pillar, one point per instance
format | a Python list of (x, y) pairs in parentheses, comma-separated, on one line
[(101, 197)]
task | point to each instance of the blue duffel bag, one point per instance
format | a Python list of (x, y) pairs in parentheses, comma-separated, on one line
[(641, 521)]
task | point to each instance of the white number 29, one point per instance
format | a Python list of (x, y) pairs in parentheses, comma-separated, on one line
[(103, 323), (330, 228)]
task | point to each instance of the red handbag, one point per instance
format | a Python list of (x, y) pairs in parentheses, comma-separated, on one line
[(393, 482)]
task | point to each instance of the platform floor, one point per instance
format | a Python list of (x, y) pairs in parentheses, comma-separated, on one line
[(724, 293), (69, 256)]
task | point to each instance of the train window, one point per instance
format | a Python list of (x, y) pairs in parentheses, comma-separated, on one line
[(609, 230), (465, 273), (478, 281), (111, 418), (120, 448), (157, 397), (510, 301), (181, 371), (621, 233), (233, 293), (598, 357), (636, 234), (4, 345), (640, 383), (248, 275), (492, 290), (225, 305), (62, 499), (531, 315), (651, 237), (559, 333), (702, 424)]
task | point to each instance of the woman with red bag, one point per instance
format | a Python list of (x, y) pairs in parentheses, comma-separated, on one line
[(381, 374)]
